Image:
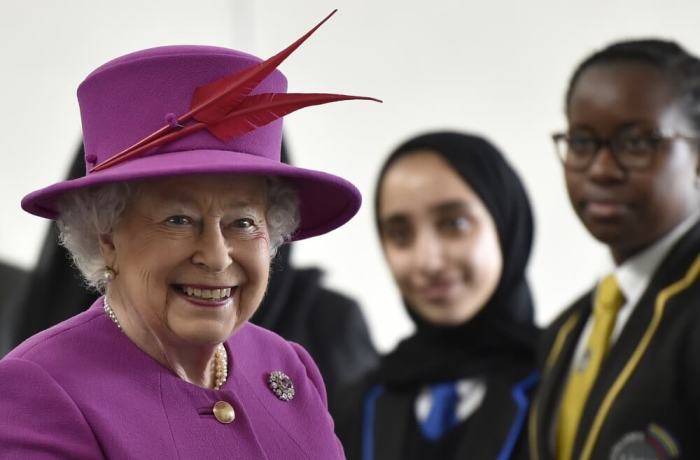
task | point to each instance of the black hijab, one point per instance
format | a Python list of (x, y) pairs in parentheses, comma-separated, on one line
[(501, 337)]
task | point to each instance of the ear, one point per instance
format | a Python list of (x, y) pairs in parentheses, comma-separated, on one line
[(108, 249)]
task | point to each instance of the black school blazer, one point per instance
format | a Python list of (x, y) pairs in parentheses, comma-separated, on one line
[(645, 403)]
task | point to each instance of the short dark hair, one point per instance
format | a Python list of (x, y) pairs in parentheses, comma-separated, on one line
[(681, 68)]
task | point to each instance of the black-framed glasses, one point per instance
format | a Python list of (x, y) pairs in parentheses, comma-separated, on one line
[(631, 150)]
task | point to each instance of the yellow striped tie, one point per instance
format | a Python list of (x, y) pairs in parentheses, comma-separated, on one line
[(608, 301)]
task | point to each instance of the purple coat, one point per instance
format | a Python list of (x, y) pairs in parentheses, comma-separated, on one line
[(83, 390)]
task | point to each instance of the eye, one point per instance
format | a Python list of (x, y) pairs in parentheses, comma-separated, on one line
[(245, 223), (581, 144), (637, 144), (455, 224), (179, 220), (398, 235)]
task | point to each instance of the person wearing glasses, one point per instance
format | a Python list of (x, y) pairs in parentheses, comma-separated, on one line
[(620, 369)]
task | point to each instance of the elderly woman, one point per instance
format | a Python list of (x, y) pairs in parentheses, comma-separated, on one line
[(176, 222)]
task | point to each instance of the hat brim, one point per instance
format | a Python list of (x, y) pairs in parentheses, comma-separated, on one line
[(325, 201)]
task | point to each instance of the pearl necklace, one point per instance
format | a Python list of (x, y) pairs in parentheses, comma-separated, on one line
[(220, 366), (220, 355)]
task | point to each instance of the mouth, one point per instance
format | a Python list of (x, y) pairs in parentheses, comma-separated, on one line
[(605, 209), (206, 295), (439, 292)]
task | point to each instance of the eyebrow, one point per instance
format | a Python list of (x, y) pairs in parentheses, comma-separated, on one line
[(452, 206), (641, 123), (185, 198), (440, 208)]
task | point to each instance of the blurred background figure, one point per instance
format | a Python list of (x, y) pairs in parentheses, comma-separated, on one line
[(456, 229), (56, 290), (621, 376), (329, 325), (12, 288)]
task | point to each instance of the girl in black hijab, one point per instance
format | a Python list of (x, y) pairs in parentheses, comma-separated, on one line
[(456, 228)]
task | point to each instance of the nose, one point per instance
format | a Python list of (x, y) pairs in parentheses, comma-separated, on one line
[(605, 167), (213, 251), (429, 253)]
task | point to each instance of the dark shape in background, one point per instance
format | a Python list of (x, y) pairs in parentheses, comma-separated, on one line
[(56, 290), (13, 281)]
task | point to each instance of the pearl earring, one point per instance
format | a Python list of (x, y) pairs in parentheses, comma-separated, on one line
[(108, 275)]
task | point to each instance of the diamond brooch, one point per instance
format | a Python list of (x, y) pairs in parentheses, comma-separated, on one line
[(281, 385)]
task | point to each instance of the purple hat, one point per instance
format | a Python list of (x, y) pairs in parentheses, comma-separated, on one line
[(187, 110)]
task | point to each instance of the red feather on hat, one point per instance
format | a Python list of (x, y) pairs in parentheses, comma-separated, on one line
[(225, 108), (261, 109)]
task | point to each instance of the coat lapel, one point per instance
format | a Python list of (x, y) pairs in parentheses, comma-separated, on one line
[(394, 413), (487, 429), (543, 416), (671, 269)]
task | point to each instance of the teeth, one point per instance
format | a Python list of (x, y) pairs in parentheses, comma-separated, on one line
[(207, 294)]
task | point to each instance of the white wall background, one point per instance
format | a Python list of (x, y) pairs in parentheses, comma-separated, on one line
[(498, 68)]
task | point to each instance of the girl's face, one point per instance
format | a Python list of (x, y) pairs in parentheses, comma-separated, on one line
[(630, 209), (438, 238)]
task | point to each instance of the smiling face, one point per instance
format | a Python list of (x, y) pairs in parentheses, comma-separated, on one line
[(191, 256), (438, 238), (630, 209)]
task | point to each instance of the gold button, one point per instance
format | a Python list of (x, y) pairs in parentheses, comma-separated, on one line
[(224, 412)]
